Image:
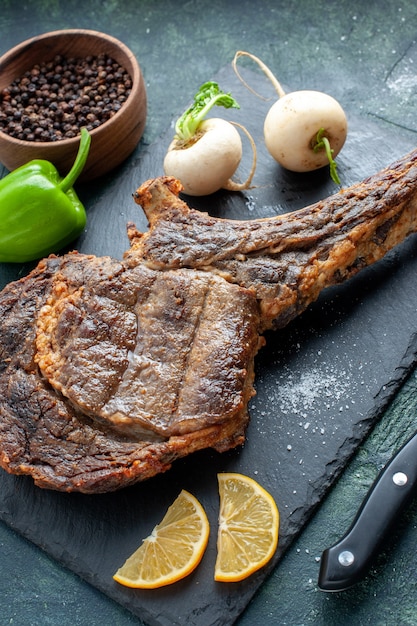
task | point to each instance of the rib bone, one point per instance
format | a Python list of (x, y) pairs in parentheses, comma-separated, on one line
[(289, 259)]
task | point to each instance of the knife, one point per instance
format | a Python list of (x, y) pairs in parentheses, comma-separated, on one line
[(347, 561)]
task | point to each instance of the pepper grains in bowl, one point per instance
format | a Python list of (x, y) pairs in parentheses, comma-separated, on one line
[(54, 100)]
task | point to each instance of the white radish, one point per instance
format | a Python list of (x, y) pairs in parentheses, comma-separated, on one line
[(208, 164), (303, 130), (205, 153)]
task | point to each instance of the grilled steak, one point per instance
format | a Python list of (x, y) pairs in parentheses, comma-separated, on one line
[(111, 370), (110, 373)]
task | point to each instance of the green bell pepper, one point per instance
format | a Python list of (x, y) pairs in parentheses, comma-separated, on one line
[(40, 212)]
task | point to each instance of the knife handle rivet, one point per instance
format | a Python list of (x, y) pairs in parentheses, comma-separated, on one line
[(346, 558), (400, 479)]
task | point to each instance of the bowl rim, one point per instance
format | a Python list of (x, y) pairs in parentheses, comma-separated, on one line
[(135, 75)]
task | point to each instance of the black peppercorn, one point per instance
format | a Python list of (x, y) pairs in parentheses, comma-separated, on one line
[(53, 100)]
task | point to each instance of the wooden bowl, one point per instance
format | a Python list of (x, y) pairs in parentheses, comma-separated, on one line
[(113, 140)]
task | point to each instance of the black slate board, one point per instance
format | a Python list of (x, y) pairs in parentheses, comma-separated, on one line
[(321, 383)]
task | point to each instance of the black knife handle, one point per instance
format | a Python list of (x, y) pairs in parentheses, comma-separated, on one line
[(347, 561)]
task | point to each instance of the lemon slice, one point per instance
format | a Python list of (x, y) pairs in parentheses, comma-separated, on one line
[(248, 528), (172, 551)]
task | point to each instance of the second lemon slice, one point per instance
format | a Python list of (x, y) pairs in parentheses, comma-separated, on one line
[(248, 527)]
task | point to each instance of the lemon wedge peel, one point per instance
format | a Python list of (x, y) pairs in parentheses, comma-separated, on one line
[(248, 528), (173, 549)]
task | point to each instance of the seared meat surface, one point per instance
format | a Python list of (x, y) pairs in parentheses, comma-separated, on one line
[(148, 353), (110, 370)]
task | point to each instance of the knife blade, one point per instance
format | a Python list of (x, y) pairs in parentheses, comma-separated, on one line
[(347, 561)]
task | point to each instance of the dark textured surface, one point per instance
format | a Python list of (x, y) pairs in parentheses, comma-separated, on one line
[(363, 56)]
